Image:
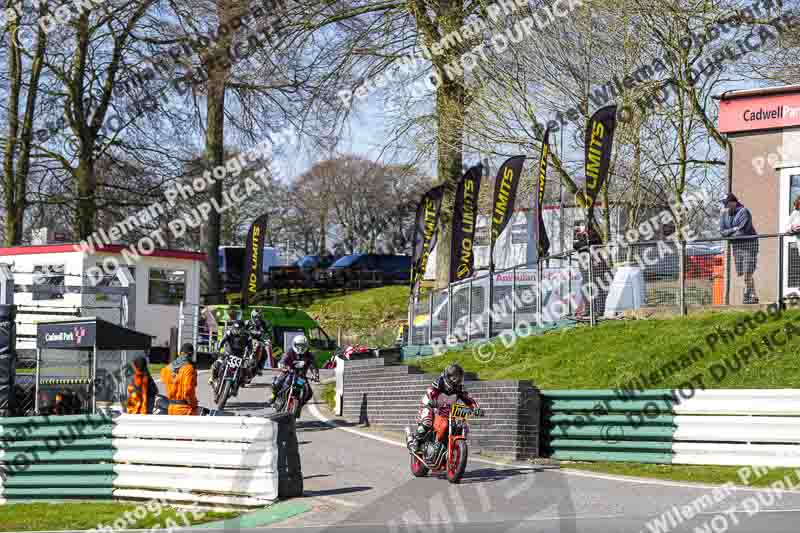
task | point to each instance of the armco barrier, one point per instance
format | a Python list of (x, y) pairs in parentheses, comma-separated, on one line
[(232, 460), (56, 457), (389, 396), (712, 427)]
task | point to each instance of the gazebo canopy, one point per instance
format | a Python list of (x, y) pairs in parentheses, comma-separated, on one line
[(86, 333)]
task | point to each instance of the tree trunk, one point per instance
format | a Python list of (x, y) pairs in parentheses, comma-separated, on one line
[(218, 72), (450, 106), (323, 224), (85, 217)]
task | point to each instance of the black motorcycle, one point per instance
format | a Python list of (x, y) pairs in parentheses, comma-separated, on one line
[(230, 377)]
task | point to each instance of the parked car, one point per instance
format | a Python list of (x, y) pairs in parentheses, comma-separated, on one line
[(700, 261), (309, 263), (375, 268)]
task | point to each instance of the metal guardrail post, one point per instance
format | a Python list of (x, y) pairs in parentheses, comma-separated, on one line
[(682, 276), (195, 327), (514, 299), (180, 323), (469, 312), (487, 307), (727, 272), (430, 317), (449, 311), (569, 284), (539, 289), (781, 244), (592, 321), (36, 381)]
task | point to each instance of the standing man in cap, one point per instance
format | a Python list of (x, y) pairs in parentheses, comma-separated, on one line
[(736, 221), (180, 379)]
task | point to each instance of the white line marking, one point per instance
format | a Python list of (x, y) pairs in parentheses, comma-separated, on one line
[(661, 482), (567, 471)]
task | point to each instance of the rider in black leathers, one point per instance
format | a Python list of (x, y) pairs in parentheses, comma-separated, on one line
[(235, 341), (261, 330)]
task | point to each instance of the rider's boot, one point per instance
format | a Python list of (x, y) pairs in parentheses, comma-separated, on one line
[(418, 439)]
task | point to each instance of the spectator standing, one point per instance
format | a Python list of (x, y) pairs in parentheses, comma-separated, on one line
[(736, 221), (180, 379), (142, 390)]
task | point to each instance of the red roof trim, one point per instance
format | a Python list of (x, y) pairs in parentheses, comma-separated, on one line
[(107, 248)]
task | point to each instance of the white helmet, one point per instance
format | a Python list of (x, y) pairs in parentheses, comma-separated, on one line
[(300, 344)]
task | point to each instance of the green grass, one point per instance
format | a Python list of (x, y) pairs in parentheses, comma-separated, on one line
[(88, 515), (369, 317), (613, 353), (690, 473), (329, 395)]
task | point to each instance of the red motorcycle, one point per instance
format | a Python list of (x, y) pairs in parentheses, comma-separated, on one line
[(451, 452)]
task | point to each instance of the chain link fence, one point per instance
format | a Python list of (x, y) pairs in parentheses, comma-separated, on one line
[(606, 281)]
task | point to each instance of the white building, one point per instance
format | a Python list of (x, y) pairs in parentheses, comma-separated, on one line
[(163, 279)]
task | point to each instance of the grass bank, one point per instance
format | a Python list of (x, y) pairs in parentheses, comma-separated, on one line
[(716, 475), (89, 515), (614, 353), (366, 317)]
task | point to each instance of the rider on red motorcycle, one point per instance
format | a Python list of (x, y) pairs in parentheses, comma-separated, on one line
[(450, 383)]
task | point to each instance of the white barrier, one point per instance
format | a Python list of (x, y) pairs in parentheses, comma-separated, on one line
[(759, 427), (768, 402), (221, 460)]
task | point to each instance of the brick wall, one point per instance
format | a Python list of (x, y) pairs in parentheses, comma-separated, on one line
[(389, 397)]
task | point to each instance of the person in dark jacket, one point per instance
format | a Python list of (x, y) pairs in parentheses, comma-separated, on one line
[(142, 390), (737, 221)]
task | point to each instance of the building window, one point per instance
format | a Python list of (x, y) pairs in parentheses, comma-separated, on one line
[(45, 278), (167, 287), (108, 279), (794, 191)]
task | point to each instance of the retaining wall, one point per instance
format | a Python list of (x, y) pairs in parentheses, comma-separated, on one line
[(389, 396)]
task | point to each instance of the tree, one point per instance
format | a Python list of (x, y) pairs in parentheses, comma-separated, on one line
[(19, 139)]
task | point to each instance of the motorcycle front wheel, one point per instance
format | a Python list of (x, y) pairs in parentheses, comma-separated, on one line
[(224, 395), (418, 468), (457, 462)]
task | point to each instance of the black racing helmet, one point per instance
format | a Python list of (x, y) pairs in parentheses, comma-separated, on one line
[(454, 376)]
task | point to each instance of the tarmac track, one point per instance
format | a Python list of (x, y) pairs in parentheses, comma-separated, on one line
[(360, 482)]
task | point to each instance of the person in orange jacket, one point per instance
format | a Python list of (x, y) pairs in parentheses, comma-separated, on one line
[(142, 390), (180, 379)]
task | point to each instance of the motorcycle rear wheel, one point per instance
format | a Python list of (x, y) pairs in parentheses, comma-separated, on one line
[(457, 462), (418, 468)]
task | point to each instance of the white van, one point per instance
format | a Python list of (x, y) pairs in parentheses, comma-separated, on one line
[(561, 297)]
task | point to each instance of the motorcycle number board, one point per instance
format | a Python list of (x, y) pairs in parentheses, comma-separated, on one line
[(460, 411)]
